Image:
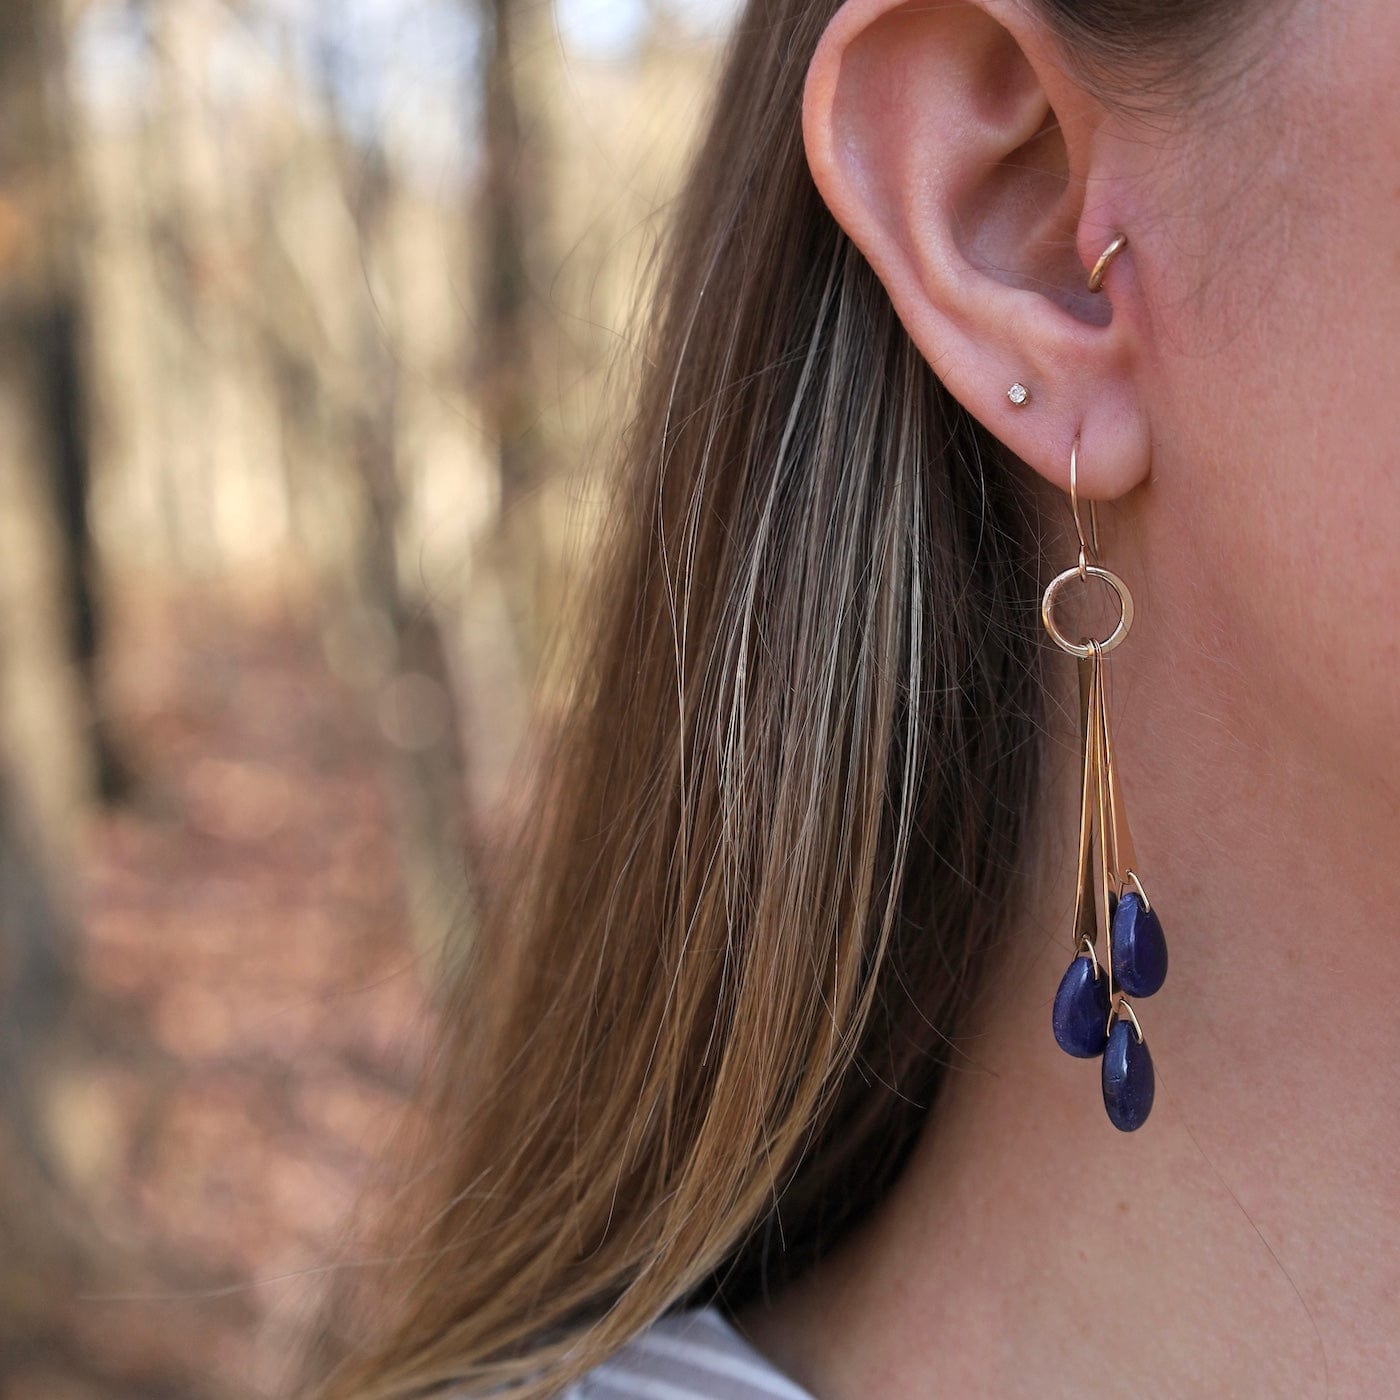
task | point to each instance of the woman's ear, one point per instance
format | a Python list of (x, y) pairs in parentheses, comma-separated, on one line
[(956, 152)]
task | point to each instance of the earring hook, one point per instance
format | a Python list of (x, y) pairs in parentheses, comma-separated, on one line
[(1088, 546)]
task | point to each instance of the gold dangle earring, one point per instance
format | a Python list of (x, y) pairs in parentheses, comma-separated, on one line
[(1092, 1015)]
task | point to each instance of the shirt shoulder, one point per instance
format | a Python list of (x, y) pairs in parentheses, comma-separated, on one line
[(691, 1354)]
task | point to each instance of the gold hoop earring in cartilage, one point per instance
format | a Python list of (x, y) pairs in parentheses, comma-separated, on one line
[(1107, 256)]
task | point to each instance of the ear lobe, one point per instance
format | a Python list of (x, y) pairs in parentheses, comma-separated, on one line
[(933, 139)]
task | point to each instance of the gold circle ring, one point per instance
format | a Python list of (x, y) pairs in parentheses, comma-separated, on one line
[(1107, 256), (1125, 603)]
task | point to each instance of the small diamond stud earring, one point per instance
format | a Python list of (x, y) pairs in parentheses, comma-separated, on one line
[(1018, 394)]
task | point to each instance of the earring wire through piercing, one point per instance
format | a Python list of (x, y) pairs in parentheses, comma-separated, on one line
[(1082, 572), (1088, 547)]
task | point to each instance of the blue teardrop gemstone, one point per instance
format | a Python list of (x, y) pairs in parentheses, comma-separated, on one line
[(1139, 947), (1128, 1079), (1080, 1017)]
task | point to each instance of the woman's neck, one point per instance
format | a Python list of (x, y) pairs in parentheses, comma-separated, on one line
[(1245, 1241)]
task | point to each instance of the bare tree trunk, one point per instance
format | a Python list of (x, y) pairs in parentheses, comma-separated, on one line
[(426, 752), (46, 365), (51, 755), (419, 715), (512, 218)]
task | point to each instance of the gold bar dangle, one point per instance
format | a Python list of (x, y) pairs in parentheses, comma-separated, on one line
[(1081, 1015)]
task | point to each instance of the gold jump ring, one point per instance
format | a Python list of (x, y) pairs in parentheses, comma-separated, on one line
[(1086, 649)]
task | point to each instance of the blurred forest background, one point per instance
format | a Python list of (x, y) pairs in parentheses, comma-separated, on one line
[(315, 336)]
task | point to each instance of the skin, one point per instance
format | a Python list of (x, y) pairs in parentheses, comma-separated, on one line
[(1239, 414)]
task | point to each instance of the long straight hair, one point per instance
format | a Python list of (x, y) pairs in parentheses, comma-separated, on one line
[(717, 987)]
